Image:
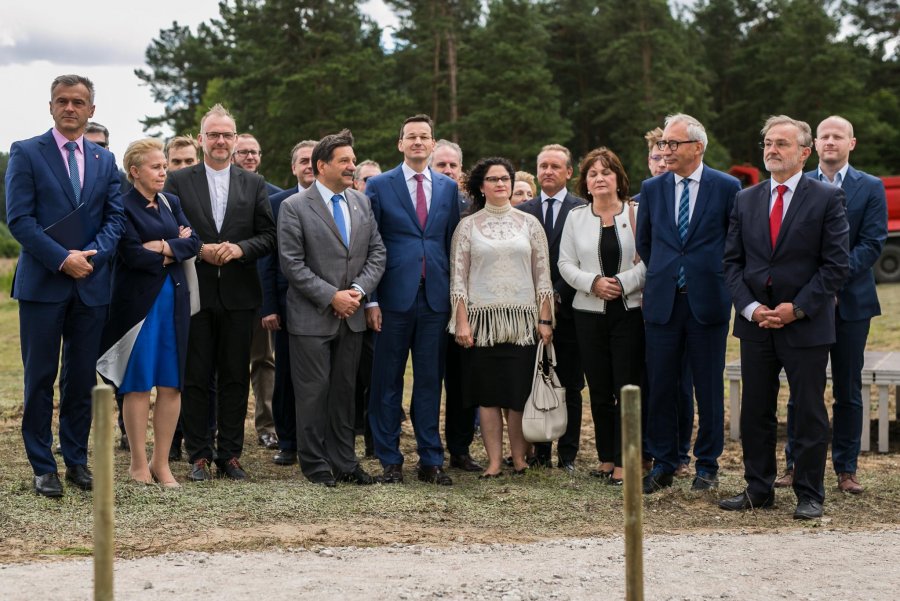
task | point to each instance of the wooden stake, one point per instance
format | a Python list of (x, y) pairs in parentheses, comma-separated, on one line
[(104, 497), (633, 476)]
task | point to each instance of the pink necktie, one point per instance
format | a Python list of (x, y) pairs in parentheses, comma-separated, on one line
[(421, 203)]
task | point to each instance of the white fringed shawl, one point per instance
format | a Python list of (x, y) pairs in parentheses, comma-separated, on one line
[(500, 271)]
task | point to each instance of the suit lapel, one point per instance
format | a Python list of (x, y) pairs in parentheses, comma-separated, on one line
[(317, 205), (851, 185), (54, 161), (703, 194), (91, 169), (353, 204), (438, 194), (668, 190), (564, 209), (236, 181), (201, 192), (399, 184)]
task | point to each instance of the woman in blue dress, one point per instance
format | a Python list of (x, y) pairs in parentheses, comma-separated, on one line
[(145, 340)]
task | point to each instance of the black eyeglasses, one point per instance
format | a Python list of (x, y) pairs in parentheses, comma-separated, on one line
[(102, 144), (367, 178), (672, 144)]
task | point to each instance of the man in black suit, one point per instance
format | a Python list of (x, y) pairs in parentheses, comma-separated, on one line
[(786, 257), (228, 207), (247, 155), (274, 310), (554, 169)]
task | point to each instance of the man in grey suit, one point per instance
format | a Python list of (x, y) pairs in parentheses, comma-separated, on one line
[(331, 254)]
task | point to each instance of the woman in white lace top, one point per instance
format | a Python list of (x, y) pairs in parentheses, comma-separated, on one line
[(501, 301)]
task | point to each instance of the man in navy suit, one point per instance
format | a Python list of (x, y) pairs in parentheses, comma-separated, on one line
[(857, 300), (417, 211), (681, 230), (551, 207), (274, 311), (62, 279), (785, 260)]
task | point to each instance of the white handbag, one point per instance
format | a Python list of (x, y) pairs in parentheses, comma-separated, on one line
[(190, 270), (545, 418)]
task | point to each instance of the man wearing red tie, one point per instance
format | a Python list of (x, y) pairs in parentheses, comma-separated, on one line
[(786, 256)]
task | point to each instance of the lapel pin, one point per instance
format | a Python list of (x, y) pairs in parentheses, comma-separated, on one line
[(97, 156)]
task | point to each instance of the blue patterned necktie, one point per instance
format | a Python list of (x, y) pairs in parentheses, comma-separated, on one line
[(74, 179), (339, 218), (684, 209)]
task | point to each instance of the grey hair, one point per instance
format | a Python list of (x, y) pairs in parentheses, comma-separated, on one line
[(366, 163), (72, 80), (448, 143), (219, 111), (95, 128), (804, 132), (695, 129), (302, 144)]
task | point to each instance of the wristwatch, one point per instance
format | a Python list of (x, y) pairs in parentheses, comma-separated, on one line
[(798, 312)]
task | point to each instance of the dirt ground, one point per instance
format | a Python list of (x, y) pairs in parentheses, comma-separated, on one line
[(801, 563)]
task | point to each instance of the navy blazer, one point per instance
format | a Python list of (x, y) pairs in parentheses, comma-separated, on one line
[(38, 194), (659, 245), (139, 274), (407, 243), (274, 284), (868, 218), (536, 208), (807, 267)]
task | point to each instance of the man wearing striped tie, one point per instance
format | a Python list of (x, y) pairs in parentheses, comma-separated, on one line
[(681, 230)]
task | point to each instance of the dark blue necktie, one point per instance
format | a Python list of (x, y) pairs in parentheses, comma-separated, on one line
[(74, 179), (548, 218), (684, 209), (339, 218)]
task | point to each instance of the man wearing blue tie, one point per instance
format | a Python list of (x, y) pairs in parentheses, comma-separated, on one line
[(417, 210), (681, 230), (64, 207), (857, 300)]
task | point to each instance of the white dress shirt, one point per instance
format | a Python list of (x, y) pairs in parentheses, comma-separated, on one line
[(219, 182), (411, 183), (693, 190), (559, 197)]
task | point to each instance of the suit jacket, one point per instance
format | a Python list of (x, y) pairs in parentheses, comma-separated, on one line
[(38, 194), (274, 284), (248, 223), (535, 207), (317, 263), (807, 267), (406, 242), (867, 216), (660, 247)]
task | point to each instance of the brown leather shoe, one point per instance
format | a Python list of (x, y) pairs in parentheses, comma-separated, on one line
[(847, 482), (465, 463), (786, 480)]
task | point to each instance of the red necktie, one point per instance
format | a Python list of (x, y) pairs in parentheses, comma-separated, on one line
[(421, 208), (776, 214), (421, 203)]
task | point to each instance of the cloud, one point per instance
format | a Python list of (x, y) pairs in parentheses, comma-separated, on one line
[(80, 50)]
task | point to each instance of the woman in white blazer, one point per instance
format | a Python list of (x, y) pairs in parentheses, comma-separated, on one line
[(597, 257)]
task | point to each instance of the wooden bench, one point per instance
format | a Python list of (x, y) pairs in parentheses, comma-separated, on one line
[(881, 369)]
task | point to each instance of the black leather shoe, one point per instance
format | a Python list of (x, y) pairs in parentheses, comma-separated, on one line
[(656, 480), (200, 471), (569, 466), (123, 443), (807, 509), (704, 481), (358, 476), (48, 485), (268, 440), (745, 501), (80, 476), (285, 458), (231, 469), (434, 474), (393, 474), (540, 462), (323, 479), (465, 463)]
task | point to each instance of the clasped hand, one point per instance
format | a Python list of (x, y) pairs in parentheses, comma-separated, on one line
[(78, 264), (221, 253), (345, 303), (776, 318), (606, 288)]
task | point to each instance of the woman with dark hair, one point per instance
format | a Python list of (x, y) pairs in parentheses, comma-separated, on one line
[(501, 298), (597, 257), (144, 342)]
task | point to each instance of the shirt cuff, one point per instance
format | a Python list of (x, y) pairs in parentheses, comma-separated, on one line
[(370, 305), (749, 309), (359, 289)]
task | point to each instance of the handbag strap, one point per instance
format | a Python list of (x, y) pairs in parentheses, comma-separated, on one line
[(631, 204), (160, 197)]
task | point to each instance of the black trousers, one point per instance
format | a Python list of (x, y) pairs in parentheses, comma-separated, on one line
[(283, 407), (614, 341), (219, 342), (459, 421), (761, 364), (571, 376), (363, 384)]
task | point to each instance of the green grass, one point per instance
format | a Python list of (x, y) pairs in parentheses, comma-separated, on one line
[(279, 508)]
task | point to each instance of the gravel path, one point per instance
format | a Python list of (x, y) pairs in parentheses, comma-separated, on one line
[(792, 565)]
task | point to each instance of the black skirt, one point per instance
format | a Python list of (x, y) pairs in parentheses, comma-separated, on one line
[(497, 376)]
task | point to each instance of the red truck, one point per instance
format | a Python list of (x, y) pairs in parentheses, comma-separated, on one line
[(887, 268)]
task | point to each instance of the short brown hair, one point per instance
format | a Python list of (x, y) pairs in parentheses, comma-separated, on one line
[(653, 136), (608, 159), (181, 142), (324, 149), (219, 111), (420, 118)]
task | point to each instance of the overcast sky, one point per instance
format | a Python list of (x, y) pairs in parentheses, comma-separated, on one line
[(104, 40)]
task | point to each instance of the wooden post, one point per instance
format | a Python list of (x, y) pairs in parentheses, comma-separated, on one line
[(104, 497), (633, 476)]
